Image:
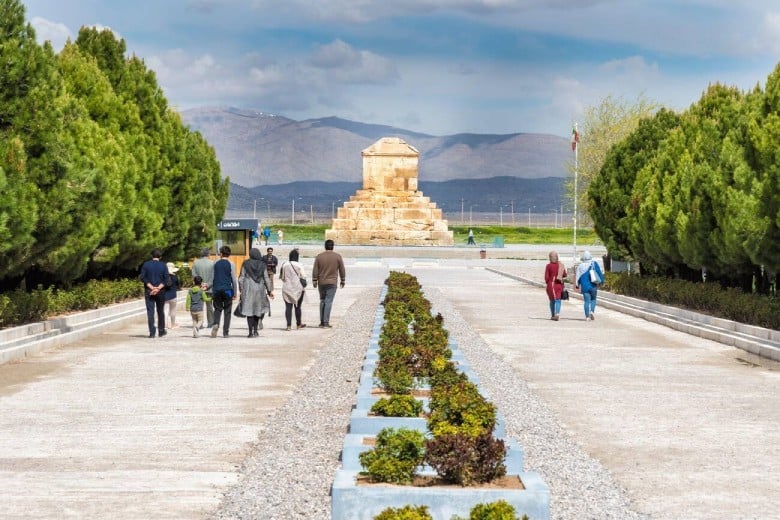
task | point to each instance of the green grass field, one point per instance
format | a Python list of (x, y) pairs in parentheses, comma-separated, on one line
[(304, 234)]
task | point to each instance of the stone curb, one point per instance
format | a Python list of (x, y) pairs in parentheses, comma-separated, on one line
[(17, 343), (756, 340)]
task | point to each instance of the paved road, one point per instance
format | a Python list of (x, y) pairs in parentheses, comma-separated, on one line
[(120, 426)]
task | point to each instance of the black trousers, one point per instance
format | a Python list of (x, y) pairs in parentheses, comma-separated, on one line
[(222, 302), (288, 310), (155, 303)]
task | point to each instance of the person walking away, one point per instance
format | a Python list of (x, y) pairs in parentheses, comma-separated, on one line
[(256, 289), (293, 291), (204, 267), (589, 277), (280, 236), (171, 292), (196, 303), (471, 238), (271, 262), (266, 234), (328, 269), (225, 291), (554, 273), (155, 277)]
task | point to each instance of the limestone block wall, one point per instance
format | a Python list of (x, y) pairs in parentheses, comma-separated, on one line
[(389, 210)]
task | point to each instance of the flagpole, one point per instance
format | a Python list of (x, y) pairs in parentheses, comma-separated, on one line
[(575, 145)]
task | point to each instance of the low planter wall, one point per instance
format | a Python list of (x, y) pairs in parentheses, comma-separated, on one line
[(350, 501), (355, 444)]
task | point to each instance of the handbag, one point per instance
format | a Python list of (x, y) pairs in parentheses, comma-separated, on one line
[(300, 278), (565, 294), (594, 276), (238, 312)]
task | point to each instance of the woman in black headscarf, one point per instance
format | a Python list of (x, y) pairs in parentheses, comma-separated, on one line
[(255, 288)]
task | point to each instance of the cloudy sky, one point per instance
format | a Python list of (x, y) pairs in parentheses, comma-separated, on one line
[(433, 66)]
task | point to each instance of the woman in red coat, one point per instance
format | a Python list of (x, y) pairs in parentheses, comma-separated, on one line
[(554, 273)]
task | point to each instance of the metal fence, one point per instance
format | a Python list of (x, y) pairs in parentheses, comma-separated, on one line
[(313, 216)]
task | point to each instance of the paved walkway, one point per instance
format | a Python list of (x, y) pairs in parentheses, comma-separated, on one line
[(121, 426)]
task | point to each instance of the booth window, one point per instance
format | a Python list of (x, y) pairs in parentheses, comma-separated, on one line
[(235, 240)]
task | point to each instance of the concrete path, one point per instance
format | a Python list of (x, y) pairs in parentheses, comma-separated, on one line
[(121, 426), (688, 426)]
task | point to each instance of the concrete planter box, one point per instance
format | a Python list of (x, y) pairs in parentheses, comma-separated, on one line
[(354, 445), (352, 502), (361, 422), (368, 382)]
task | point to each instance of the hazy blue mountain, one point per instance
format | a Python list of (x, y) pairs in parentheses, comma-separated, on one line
[(255, 148), (481, 195)]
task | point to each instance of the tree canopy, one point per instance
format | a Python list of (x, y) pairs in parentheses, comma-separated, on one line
[(95, 168), (697, 193)]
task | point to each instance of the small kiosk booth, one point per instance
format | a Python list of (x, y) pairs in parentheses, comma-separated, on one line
[(237, 234)]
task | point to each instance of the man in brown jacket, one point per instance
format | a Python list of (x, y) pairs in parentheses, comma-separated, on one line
[(327, 271)]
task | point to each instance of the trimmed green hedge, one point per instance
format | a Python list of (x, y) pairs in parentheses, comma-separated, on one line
[(707, 298), (19, 307)]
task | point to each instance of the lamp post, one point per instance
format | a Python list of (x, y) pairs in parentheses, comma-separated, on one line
[(254, 210), (555, 210), (292, 218), (513, 212), (501, 215), (529, 215), (461, 211), (470, 213)]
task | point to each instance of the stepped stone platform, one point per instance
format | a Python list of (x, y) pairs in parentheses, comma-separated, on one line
[(390, 210)]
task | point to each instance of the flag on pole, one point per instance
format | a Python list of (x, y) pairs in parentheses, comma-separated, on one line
[(575, 138)]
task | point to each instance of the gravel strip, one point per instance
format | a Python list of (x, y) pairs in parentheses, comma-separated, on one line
[(580, 487), (290, 469)]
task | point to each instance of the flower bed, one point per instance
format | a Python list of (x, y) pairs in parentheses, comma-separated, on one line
[(450, 458)]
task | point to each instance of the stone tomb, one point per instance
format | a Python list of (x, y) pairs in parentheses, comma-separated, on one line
[(390, 210)]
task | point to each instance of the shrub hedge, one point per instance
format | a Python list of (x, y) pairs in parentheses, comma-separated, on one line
[(707, 298), (19, 307)]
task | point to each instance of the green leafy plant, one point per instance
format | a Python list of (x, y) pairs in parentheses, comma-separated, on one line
[(498, 510), (398, 405), (393, 376), (405, 513), (460, 408), (464, 459), (395, 457)]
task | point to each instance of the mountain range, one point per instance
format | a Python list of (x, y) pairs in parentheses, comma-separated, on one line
[(319, 160)]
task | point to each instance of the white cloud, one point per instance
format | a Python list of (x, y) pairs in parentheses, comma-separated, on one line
[(266, 76), (633, 70), (342, 63), (768, 38), (46, 30)]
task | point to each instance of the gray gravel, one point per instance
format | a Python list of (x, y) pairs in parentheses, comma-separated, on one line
[(290, 468)]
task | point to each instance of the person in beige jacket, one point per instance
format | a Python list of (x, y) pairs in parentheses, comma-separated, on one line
[(328, 270)]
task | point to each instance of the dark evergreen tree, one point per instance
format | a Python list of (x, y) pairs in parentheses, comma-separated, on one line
[(610, 193)]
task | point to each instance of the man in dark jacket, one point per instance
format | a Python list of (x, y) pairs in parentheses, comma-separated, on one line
[(225, 291), (154, 275)]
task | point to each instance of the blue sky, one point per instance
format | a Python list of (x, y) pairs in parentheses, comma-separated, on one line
[(433, 66)]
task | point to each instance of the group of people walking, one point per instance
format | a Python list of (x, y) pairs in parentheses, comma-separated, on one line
[(588, 276), (216, 287)]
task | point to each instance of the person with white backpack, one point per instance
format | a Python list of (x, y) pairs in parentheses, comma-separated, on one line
[(587, 280)]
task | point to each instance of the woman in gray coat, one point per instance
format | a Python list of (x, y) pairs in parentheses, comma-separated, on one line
[(255, 288)]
